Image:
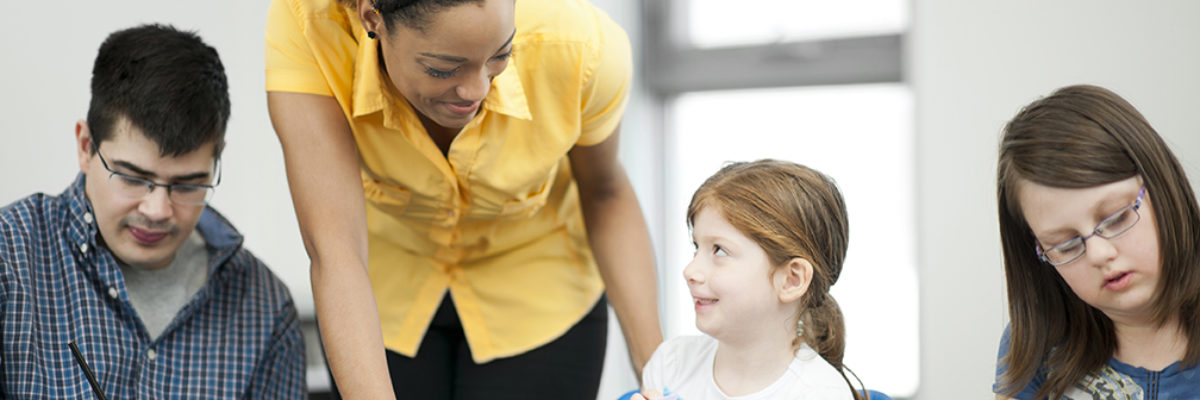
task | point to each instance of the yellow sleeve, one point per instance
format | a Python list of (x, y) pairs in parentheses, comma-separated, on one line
[(606, 88), (290, 63)]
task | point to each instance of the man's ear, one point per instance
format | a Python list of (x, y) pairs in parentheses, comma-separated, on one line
[(792, 280), (371, 20), (83, 145)]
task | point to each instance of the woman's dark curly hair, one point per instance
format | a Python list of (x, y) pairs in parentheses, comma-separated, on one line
[(413, 14)]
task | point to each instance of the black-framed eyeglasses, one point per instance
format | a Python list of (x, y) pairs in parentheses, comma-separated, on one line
[(1112, 226), (187, 194)]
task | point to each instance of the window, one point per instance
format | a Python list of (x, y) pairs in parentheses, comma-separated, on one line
[(859, 135), (752, 22), (818, 84)]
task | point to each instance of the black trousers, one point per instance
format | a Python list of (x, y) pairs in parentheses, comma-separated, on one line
[(567, 368)]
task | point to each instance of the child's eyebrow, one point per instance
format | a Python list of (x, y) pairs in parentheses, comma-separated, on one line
[(1112, 203), (713, 238), (1102, 209), (1056, 236)]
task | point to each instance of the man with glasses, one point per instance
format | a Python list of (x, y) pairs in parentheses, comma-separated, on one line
[(129, 264)]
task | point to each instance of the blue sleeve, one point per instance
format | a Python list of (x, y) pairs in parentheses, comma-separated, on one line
[(281, 373), (1031, 388)]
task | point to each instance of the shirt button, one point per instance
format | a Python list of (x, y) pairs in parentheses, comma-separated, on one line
[(150, 354), (87, 217), (83, 248), (112, 292)]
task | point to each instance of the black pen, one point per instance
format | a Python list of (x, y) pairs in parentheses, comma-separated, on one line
[(87, 371)]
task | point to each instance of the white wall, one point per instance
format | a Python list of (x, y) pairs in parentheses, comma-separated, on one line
[(972, 66)]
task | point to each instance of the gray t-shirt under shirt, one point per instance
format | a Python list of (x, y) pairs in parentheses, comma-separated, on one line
[(157, 295)]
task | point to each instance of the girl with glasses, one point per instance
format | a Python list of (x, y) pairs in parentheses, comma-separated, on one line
[(1099, 231)]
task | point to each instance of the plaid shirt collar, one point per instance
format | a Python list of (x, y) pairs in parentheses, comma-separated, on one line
[(80, 220)]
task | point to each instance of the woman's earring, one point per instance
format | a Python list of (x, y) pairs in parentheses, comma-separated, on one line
[(371, 34)]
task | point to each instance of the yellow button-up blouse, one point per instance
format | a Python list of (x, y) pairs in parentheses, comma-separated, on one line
[(497, 221)]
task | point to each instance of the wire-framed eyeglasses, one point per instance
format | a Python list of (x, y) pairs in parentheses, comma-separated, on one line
[(1112, 226), (186, 194)]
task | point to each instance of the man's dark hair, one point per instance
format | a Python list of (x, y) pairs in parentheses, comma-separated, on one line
[(164, 81)]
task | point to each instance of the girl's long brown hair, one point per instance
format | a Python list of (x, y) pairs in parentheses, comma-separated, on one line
[(1080, 137), (790, 211)]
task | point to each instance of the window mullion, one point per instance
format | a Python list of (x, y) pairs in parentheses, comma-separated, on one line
[(872, 59)]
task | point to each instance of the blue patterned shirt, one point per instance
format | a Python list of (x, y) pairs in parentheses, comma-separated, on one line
[(238, 337), (1114, 380)]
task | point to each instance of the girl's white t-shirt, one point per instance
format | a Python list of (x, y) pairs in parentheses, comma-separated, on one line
[(684, 366)]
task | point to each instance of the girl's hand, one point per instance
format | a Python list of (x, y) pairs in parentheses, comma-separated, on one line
[(647, 395)]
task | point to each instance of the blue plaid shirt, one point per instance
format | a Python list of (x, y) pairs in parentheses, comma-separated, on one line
[(238, 337)]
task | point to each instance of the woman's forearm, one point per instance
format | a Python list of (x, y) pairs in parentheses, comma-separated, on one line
[(623, 251), (621, 244), (349, 322), (323, 174)]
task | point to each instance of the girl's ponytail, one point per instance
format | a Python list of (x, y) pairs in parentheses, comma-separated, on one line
[(824, 329)]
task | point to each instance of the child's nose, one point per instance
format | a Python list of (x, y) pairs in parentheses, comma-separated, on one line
[(691, 273), (1099, 250)]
